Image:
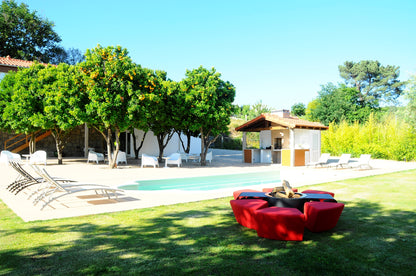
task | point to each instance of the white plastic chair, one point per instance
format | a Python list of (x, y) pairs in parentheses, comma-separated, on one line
[(95, 156), (174, 159), (6, 156), (121, 157), (148, 160), (37, 157), (208, 157), (184, 156)]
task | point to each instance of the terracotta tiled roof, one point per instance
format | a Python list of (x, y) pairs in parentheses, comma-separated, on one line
[(12, 62), (266, 121), (15, 62), (293, 122)]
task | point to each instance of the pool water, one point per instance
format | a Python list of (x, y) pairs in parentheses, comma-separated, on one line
[(206, 183)]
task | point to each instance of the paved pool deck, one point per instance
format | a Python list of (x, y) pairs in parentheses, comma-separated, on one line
[(224, 162)]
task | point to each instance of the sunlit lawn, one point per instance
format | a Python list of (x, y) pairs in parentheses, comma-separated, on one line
[(376, 235)]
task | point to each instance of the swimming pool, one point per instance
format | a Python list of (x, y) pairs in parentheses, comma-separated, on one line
[(206, 183)]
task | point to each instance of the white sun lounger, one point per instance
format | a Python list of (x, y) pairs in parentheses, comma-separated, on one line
[(323, 160), (343, 161), (57, 190), (25, 179), (363, 162)]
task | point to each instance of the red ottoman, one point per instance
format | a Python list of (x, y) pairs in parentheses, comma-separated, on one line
[(269, 190), (318, 192), (244, 211), (237, 193), (279, 223), (322, 216)]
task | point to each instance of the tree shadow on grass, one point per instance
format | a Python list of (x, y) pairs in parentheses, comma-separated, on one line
[(209, 241)]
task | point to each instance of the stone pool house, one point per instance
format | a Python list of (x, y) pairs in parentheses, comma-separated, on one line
[(82, 138), (284, 139)]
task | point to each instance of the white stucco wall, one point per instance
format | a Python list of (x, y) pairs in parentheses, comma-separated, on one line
[(309, 139), (265, 138), (151, 146)]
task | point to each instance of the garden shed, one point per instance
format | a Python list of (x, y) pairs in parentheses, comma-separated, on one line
[(284, 139)]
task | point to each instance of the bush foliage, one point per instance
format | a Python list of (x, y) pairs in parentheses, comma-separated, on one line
[(385, 138)]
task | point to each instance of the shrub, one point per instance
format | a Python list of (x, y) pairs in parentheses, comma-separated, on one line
[(385, 138)]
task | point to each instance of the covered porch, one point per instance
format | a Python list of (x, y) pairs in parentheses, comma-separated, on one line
[(284, 139)]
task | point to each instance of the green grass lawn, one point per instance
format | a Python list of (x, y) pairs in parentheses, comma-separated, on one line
[(376, 235)]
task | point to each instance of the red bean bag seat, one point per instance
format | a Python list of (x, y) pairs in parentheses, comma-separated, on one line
[(322, 216), (244, 211), (280, 223), (269, 190), (237, 193), (317, 192)]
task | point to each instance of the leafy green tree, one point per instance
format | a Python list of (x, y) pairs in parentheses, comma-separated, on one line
[(25, 35), (6, 92), (249, 112), (108, 75), (151, 107), (410, 109), (335, 104), (71, 56), (209, 101), (143, 87), (183, 118), (63, 102), (373, 81), (298, 109), (309, 111), (161, 109), (23, 102)]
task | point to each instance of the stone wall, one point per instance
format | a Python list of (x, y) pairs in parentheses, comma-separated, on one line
[(74, 147)]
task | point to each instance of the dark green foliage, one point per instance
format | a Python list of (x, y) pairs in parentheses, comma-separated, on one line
[(374, 81), (71, 56), (25, 35), (337, 103), (108, 75), (409, 112), (208, 100), (23, 100), (298, 109), (228, 143)]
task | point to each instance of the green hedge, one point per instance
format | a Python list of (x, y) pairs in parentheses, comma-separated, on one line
[(387, 138)]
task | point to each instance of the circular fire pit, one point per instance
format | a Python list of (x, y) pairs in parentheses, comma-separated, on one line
[(294, 202)]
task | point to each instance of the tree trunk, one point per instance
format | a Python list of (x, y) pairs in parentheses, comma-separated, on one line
[(115, 153), (59, 144), (205, 144), (203, 155), (32, 143), (161, 142), (188, 143), (137, 149), (108, 141), (107, 138), (112, 156)]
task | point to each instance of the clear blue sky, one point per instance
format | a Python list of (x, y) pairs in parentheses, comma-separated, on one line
[(277, 52)]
